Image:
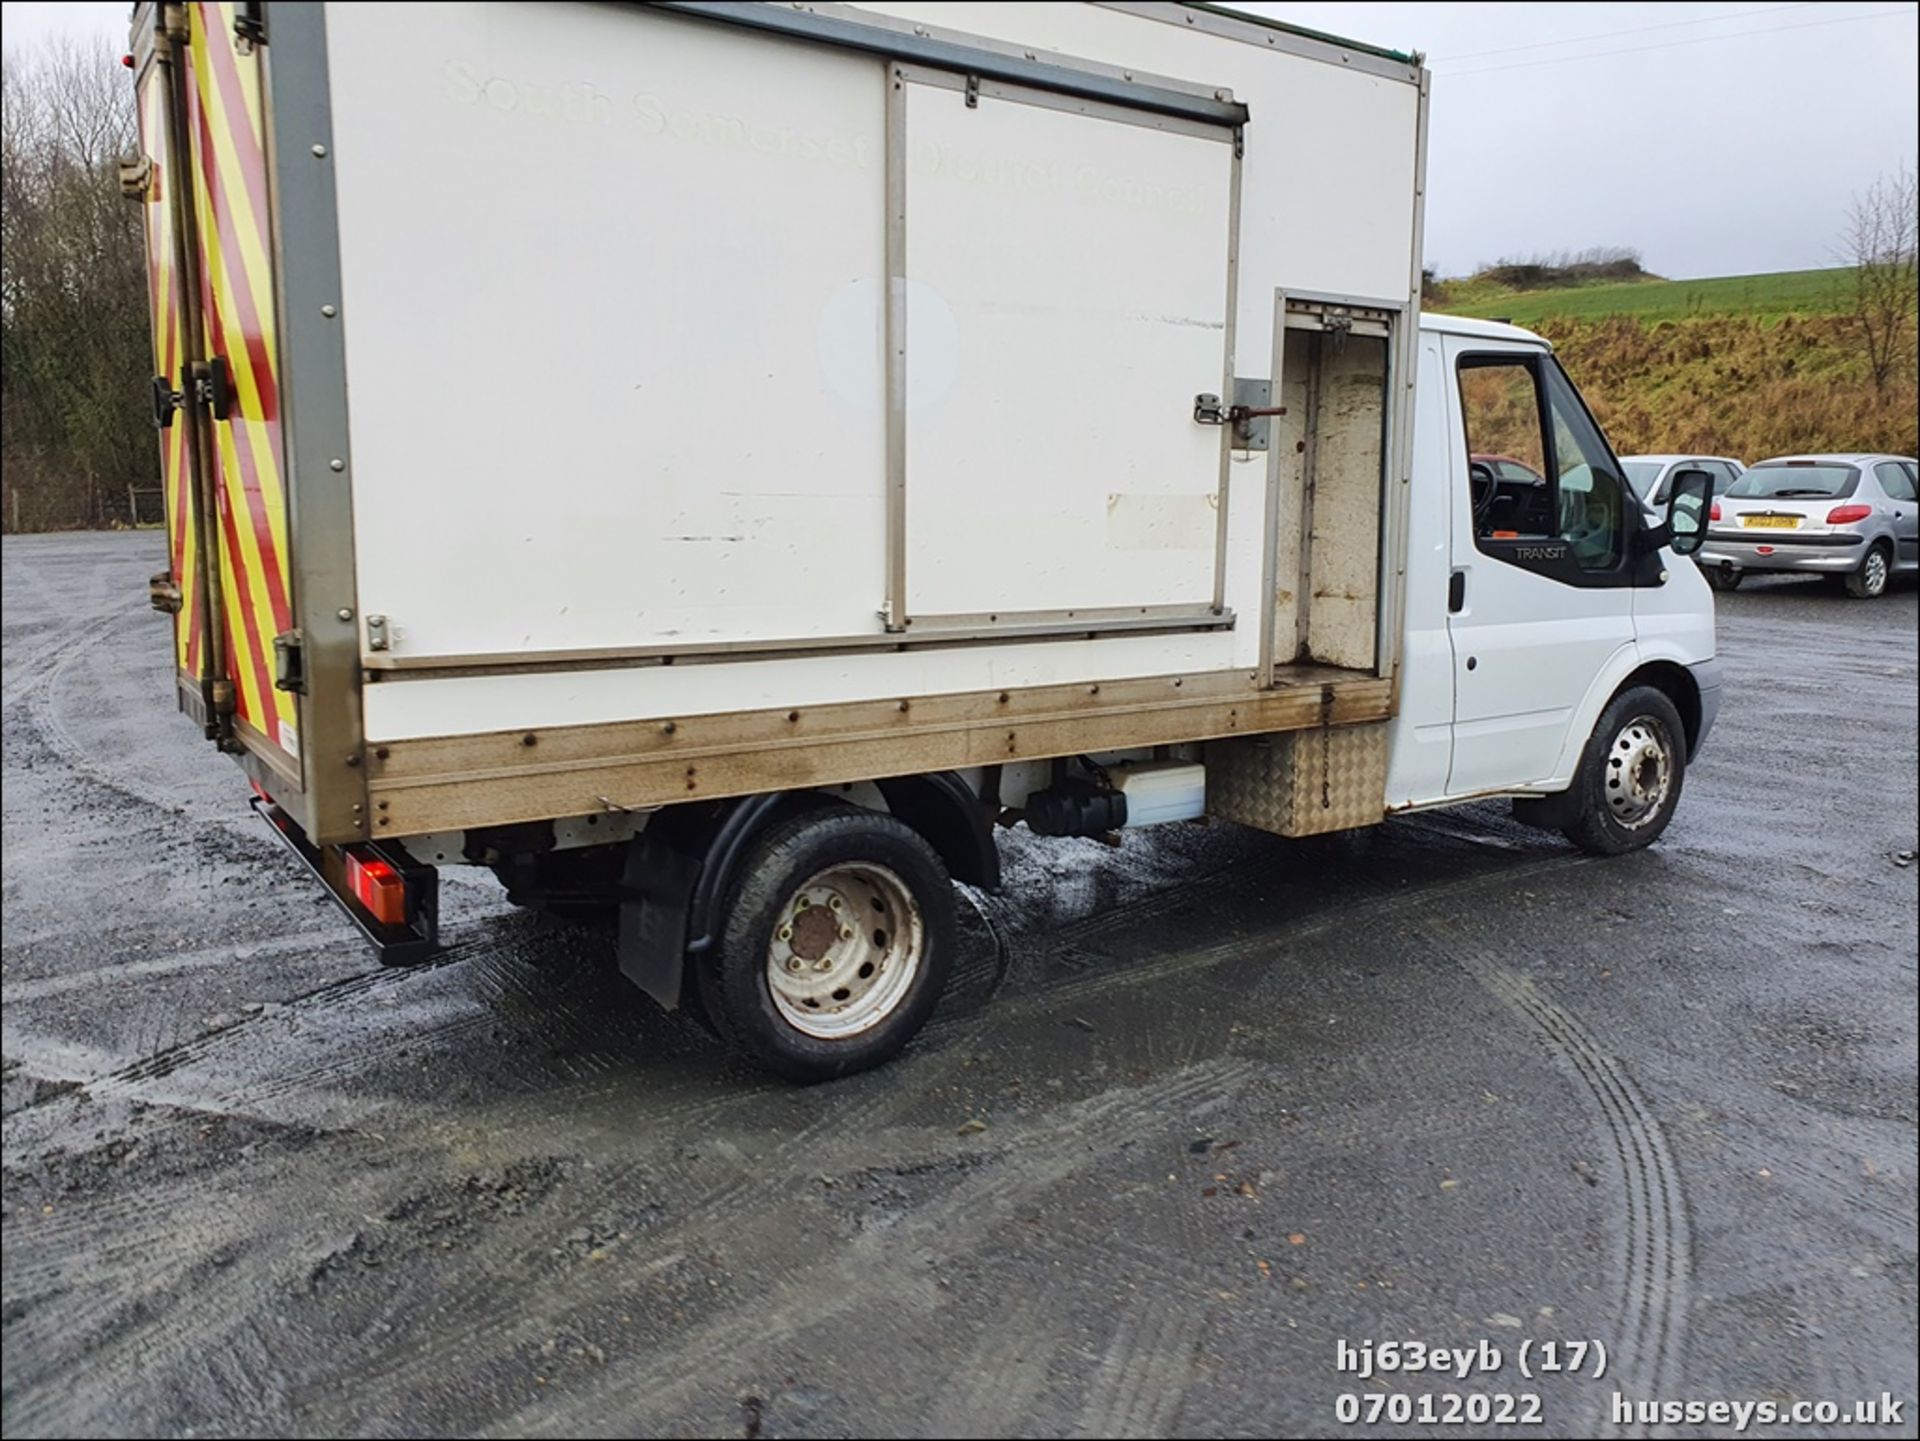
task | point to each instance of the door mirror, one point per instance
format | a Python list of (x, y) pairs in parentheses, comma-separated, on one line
[(1687, 506)]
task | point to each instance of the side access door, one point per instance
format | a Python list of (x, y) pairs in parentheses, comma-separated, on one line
[(1543, 541), (203, 179)]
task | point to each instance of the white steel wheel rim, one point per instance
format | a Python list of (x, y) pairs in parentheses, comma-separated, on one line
[(1639, 772), (845, 950), (1876, 573)]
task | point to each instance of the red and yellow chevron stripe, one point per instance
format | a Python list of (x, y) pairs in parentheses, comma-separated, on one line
[(230, 198)]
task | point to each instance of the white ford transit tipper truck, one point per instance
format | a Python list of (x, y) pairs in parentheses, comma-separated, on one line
[(718, 461)]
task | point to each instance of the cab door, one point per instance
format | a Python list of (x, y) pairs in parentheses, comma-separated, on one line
[(1544, 532)]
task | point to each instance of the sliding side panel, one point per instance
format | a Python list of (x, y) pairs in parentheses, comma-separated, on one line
[(1068, 287)]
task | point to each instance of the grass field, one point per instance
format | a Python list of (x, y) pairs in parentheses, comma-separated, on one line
[(1768, 297), (1745, 365)]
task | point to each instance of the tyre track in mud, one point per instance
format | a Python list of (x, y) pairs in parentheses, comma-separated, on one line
[(1144, 1372), (40, 697), (1048, 1153), (1654, 1237)]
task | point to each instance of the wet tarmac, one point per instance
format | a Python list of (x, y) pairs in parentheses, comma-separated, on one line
[(1238, 1100)]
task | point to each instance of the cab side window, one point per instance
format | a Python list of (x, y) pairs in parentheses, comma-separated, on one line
[(1547, 494)]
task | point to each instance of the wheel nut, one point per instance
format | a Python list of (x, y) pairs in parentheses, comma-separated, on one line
[(801, 904), (823, 964), (786, 933), (834, 902), (793, 963), (846, 933)]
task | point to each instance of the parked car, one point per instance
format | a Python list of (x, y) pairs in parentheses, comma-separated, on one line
[(1850, 516), (1651, 476)]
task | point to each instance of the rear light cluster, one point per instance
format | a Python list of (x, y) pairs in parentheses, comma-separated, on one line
[(1848, 514), (378, 887), (1714, 514)]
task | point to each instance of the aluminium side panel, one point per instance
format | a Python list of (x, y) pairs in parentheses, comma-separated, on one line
[(615, 287)]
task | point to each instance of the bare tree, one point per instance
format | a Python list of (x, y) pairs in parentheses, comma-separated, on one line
[(75, 353), (1880, 246)]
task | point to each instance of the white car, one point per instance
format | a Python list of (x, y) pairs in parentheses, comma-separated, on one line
[(1651, 476)]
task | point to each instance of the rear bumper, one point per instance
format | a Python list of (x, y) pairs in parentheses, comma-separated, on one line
[(1783, 551), (396, 945)]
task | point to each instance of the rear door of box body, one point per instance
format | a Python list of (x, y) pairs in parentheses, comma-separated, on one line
[(210, 258)]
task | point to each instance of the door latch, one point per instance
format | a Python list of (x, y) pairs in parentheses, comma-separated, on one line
[(1248, 415), (213, 386), (290, 662)]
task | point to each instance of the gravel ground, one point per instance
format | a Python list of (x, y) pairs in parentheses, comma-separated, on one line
[(1198, 1108)]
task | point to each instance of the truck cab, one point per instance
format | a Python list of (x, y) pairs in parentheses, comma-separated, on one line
[(1529, 604)]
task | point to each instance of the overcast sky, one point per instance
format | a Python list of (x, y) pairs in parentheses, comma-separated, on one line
[(1716, 139)]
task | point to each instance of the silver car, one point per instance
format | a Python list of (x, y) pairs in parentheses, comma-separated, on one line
[(1850, 516)]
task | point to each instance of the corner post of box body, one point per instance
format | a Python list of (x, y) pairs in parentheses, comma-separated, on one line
[(302, 200)]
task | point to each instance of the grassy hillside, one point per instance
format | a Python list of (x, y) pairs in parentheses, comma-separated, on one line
[(1747, 365), (1787, 292)]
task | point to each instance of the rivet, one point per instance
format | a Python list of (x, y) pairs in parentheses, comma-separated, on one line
[(344, 613), (668, 729), (353, 760), (382, 753), (906, 705), (329, 311), (336, 464), (529, 739), (319, 152), (382, 806)]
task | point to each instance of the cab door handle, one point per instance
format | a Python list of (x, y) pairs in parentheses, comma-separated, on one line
[(1456, 592)]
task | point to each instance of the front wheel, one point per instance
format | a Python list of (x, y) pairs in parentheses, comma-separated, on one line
[(1630, 774), (1870, 581), (1724, 577), (836, 946)]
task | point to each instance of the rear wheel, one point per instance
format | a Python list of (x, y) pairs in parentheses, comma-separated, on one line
[(1725, 577), (836, 946), (1630, 774), (1870, 581)]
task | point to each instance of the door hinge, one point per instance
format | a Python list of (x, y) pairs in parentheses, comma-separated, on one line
[(973, 92), (290, 662), (163, 593), (377, 632), (136, 175), (249, 26)]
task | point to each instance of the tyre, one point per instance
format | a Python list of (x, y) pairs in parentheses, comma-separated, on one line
[(1630, 774), (1724, 577), (838, 940), (1870, 581)]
